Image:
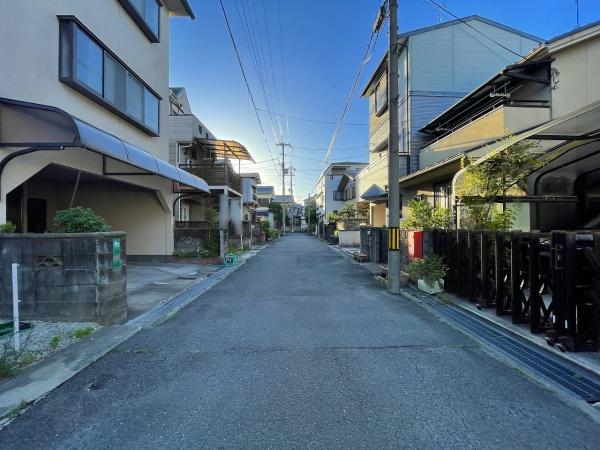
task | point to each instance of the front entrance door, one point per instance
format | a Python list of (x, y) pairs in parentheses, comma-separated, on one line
[(36, 215)]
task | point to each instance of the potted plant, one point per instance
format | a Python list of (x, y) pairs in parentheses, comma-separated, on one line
[(429, 273)]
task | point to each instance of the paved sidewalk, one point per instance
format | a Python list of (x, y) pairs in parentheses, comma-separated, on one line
[(301, 348)]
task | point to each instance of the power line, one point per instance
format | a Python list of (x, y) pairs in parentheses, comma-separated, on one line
[(370, 45), (337, 148), (437, 5), (237, 53), (311, 120)]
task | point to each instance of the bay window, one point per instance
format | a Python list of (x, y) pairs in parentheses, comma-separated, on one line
[(93, 70)]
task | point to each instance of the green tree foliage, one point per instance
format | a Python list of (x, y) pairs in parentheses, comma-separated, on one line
[(7, 227), (424, 216), (485, 185), (311, 212), (79, 220), (348, 211), (430, 269), (276, 209)]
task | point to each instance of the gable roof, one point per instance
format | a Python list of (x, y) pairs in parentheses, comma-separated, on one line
[(404, 36)]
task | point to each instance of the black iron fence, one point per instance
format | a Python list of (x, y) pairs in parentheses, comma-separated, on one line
[(549, 280)]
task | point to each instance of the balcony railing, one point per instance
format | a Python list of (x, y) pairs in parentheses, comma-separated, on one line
[(216, 174), (192, 224)]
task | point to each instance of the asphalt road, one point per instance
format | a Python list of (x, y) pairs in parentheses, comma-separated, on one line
[(301, 348)]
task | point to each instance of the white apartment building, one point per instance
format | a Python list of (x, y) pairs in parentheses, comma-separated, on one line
[(84, 107), (327, 197)]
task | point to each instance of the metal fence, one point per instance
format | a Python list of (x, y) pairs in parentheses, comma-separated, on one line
[(373, 243), (549, 280)]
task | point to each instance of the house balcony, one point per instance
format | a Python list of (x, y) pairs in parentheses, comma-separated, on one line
[(216, 174), (482, 129)]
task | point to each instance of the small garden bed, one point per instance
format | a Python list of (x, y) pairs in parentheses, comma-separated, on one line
[(40, 341)]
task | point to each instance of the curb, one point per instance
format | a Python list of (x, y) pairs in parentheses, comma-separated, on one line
[(36, 381)]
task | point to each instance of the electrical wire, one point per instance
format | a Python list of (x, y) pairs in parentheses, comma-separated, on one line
[(237, 53), (442, 8), (366, 57), (312, 120)]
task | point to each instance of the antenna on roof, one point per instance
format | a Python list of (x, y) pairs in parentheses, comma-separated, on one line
[(577, 9)]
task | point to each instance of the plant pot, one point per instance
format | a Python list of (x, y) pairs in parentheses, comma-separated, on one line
[(435, 289)]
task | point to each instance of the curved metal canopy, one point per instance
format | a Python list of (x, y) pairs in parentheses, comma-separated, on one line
[(226, 149), (24, 124)]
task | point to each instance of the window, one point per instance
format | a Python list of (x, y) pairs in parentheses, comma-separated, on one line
[(146, 15), (134, 103), (441, 194), (88, 61), (93, 70), (381, 95), (338, 195)]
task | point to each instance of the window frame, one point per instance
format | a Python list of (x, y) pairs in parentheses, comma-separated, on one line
[(140, 21), (68, 74), (380, 109)]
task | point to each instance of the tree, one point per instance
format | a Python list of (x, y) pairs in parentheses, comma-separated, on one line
[(423, 215), (348, 211), (311, 212), (485, 185), (276, 209)]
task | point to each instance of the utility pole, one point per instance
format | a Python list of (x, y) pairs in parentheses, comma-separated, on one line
[(393, 155), (283, 146), (307, 213), (292, 194)]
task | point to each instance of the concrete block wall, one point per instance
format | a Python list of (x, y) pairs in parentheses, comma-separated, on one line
[(65, 277)]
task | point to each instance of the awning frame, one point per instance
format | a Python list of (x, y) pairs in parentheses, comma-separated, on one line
[(86, 136)]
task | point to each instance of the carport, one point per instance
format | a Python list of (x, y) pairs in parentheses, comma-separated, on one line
[(51, 160)]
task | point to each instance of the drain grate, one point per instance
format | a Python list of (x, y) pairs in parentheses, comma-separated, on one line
[(577, 381), (180, 300)]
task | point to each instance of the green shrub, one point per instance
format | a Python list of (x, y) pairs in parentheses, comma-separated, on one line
[(430, 269), (423, 215), (26, 359), (79, 220), (7, 227), (82, 332), (54, 342)]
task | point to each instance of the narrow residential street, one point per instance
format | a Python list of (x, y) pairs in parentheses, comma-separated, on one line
[(301, 348)]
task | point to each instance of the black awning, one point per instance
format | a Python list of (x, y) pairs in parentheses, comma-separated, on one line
[(24, 124)]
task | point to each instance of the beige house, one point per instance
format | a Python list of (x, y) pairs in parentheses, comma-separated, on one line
[(438, 66), (193, 148), (550, 98), (86, 123)]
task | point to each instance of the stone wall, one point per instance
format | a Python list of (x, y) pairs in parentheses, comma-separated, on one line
[(190, 240), (72, 277)]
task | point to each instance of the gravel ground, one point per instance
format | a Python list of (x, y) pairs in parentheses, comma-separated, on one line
[(38, 339)]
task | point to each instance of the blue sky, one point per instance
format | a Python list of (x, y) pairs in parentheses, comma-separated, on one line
[(322, 42)]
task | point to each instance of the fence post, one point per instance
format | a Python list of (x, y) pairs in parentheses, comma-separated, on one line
[(484, 295), (15, 296), (472, 295), (500, 286), (535, 297), (516, 304)]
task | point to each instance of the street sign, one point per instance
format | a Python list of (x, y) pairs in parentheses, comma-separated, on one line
[(116, 250), (230, 259)]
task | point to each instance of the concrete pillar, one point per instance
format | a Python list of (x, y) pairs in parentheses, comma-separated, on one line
[(2, 208), (224, 211), (236, 214), (223, 222)]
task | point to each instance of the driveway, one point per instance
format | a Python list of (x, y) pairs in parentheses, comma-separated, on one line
[(301, 348)]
